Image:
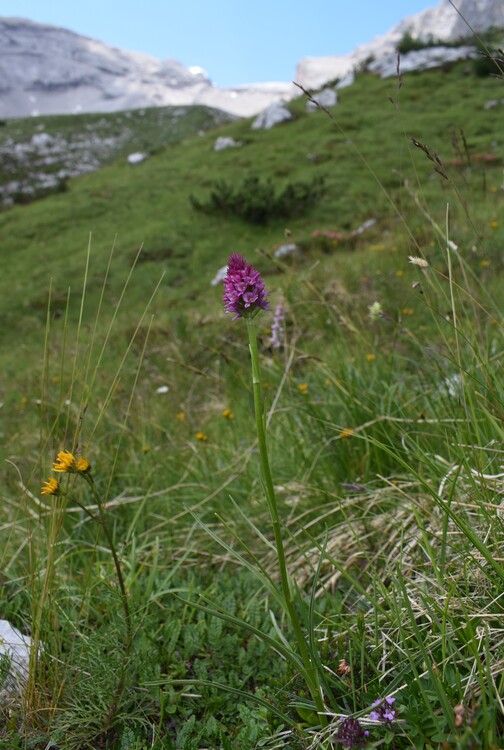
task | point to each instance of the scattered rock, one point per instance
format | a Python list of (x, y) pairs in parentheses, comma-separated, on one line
[(16, 647), (421, 59), (285, 250), (41, 140), (224, 142), (137, 158), (453, 385), (347, 80), (365, 225), (325, 98), (163, 389), (219, 276), (491, 103), (272, 115)]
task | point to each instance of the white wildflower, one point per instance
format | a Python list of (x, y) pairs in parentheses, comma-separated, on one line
[(375, 311), (421, 262)]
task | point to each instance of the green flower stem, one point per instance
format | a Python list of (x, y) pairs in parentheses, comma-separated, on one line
[(124, 595), (310, 670), (101, 519)]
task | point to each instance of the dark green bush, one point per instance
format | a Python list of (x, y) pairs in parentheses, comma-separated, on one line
[(488, 65), (257, 202), (408, 43)]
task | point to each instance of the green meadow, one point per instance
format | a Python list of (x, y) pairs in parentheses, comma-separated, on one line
[(151, 583)]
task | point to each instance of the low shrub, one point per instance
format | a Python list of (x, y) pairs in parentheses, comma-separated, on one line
[(257, 202), (489, 64)]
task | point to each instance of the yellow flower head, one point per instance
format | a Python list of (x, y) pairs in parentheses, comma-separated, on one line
[(64, 463), (228, 414), (346, 433), (303, 387), (494, 224), (201, 436), (370, 357), (51, 487), (82, 465), (180, 416)]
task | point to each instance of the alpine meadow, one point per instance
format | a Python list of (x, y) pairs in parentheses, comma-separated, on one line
[(261, 510)]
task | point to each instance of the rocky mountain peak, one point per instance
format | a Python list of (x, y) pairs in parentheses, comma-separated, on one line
[(49, 70), (448, 22)]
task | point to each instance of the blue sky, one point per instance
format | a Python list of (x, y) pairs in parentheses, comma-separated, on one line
[(234, 41)]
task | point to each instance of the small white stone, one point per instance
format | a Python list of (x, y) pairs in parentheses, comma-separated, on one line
[(219, 276), (137, 157), (284, 250), (224, 142), (325, 98), (272, 115), (16, 647)]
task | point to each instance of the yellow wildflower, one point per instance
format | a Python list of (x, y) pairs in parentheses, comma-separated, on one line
[(370, 357), (484, 263), (64, 463), (399, 273), (303, 387), (228, 414), (180, 416), (408, 311), (201, 436), (494, 224), (51, 487), (346, 433), (82, 465)]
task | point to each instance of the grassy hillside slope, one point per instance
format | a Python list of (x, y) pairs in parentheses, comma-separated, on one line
[(384, 409)]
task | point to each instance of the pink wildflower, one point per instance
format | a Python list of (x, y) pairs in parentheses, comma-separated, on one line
[(244, 291), (277, 330), (383, 711), (351, 734)]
